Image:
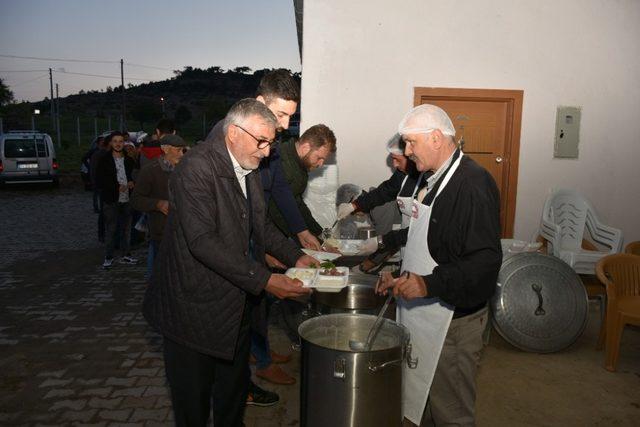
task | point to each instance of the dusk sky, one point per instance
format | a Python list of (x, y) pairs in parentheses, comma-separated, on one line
[(165, 34)]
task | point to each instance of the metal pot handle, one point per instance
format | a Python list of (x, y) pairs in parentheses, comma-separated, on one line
[(411, 362), (375, 368)]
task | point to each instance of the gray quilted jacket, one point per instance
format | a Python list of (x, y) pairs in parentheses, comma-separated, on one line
[(204, 271)]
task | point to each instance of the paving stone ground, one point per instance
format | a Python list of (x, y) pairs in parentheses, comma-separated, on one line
[(75, 350), (74, 347)]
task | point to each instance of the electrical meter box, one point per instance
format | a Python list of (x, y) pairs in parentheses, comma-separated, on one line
[(567, 132)]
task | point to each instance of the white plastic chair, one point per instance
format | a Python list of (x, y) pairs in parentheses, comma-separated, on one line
[(565, 216)]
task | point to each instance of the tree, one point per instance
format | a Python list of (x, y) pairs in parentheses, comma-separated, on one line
[(6, 95), (144, 111), (182, 115), (242, 70)]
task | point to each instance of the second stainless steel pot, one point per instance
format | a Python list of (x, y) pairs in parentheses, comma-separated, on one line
[(358, 297)]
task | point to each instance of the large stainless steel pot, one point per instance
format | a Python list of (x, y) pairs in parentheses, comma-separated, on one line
[(342, 387), (358, 297)]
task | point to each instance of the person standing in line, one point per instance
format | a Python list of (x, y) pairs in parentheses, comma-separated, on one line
[(115, 181), (151, 192), (151, 145), (280, 92), (102, 150), (298, 159), (211, 272)]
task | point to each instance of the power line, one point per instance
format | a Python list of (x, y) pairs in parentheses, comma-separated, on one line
[(29, 81), (100, 75), (58, 59), (21, 71), (85, 60), (148, 66)]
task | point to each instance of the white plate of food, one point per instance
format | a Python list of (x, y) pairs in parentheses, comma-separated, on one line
[(331, 278), (306, 275), (321, 255), (346, 246)]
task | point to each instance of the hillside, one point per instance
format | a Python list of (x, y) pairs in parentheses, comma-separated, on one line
[(193, 94)]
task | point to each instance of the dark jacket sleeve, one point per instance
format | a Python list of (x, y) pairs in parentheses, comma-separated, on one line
[(470, 244), (103, 174), (385, 192), (395, 239), (310, 221), (192, 192), (277, 245), (129, 165), (141, 199), (283, 198)]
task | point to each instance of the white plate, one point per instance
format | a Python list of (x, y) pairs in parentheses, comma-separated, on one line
[(346, 246), (306, 275), (321, 256), (332, 283)]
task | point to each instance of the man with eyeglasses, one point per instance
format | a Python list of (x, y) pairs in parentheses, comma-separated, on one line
[(151, 193), (211, 270), (280, 92)]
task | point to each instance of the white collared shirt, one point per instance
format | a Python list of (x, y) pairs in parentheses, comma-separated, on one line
[(241, 173)]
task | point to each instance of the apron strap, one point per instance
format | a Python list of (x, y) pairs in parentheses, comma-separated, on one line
[(431, 195)]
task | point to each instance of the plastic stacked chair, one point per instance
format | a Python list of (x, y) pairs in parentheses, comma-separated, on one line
[(620, 273), (633, 248), (565, 218)]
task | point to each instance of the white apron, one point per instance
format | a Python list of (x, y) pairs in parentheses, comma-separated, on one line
[(405, 204), (427, 319)]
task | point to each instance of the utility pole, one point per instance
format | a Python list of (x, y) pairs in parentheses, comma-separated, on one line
[(204, 125), (78, 129), (53, 120), (58, 117), (124, 110)]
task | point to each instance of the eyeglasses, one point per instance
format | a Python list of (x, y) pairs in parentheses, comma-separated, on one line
[(262, 143)]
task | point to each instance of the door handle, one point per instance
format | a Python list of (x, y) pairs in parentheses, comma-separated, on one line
[(499, 159)]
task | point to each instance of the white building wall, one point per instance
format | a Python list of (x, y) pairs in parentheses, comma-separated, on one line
[(362, 59)]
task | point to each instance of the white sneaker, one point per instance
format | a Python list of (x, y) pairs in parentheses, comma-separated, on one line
[(108, 262), (128, 259)]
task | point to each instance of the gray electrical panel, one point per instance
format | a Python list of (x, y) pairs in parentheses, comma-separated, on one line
[(567, 132)]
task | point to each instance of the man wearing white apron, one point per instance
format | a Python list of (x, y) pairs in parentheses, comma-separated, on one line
[(453, 256), (401, 186)]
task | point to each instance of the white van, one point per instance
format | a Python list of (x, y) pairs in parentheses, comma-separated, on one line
[(27, 157)]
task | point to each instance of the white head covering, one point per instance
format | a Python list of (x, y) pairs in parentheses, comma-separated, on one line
[(424, 119)]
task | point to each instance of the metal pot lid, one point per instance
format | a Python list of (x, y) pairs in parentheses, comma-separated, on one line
[(540, 303)]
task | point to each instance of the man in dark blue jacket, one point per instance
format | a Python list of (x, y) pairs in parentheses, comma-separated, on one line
[(280, 92)]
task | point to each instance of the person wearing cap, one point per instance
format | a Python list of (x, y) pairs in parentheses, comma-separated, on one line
[(402, 184), (150, 144), (151, 193), (450, 267)]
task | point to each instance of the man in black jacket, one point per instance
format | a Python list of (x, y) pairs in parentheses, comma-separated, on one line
[(211, 270), (114, 180), (451, 260)]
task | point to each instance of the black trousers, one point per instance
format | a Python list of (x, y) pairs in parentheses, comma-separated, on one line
[(195, 378)]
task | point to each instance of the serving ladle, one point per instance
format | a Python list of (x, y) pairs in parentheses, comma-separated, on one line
[(356, 345)]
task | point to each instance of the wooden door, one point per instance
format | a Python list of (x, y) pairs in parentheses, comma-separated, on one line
[(487, 123)]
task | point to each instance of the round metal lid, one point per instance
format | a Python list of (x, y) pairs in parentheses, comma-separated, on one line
[(540, 303)]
